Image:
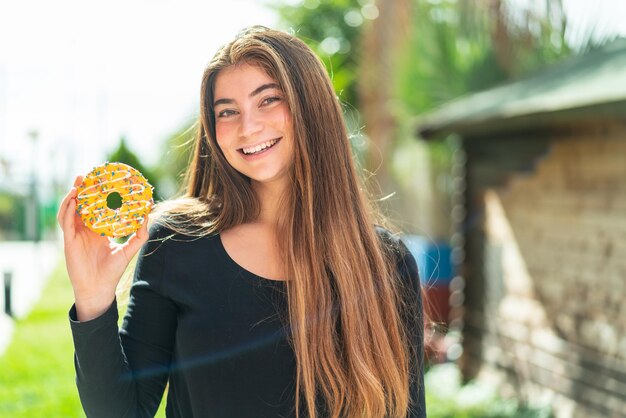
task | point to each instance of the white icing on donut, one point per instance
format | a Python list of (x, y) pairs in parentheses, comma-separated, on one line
[(136, 195)]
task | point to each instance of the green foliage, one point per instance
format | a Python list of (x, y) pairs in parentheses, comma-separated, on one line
[(447, 398), (176, 157), (12, 210), (332, 29), (123, 154), (455, 47), (38, 377), (114, 201), (461, 46)]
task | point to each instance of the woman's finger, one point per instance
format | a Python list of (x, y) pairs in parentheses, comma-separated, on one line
[(63, 206), (142, 232), (67, 224), (135, 242), (66, 200)]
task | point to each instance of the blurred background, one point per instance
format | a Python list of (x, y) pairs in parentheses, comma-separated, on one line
[(492, 132)]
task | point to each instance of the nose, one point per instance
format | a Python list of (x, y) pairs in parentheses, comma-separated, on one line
[(251, 124)]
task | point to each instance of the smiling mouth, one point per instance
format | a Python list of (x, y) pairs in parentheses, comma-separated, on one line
[(258, 149)]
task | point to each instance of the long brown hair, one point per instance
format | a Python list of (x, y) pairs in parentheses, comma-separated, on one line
[(344, 299)]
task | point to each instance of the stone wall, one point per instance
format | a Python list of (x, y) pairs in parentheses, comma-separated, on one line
[(546, 271)]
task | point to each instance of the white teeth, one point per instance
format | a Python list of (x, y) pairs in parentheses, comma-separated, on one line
[(255, 149)]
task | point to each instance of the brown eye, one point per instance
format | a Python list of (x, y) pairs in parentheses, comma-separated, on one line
[(226, 113)]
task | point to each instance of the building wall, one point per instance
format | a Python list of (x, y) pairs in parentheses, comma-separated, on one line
[(546, 270)]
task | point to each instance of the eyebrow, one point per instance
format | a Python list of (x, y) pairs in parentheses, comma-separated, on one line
[(256, 91)]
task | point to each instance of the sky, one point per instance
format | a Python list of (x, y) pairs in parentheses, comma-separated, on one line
[(83, 73)]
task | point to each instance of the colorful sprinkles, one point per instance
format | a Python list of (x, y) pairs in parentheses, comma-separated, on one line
[(136, 195)]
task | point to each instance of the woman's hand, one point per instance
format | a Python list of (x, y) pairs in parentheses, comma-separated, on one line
[(94, 264)]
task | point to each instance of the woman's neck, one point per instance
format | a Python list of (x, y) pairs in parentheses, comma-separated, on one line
[(270, 197)]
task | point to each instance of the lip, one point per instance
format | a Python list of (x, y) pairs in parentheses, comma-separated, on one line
[(251, 157)]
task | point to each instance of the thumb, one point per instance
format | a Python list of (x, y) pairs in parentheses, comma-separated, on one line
[(135, 242)]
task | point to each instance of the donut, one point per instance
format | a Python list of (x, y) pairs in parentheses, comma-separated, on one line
[(108, 178)]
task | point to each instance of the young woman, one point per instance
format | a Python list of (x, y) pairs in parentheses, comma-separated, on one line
[(267, 290)]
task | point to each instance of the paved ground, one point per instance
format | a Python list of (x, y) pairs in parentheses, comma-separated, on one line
[(29, 265)]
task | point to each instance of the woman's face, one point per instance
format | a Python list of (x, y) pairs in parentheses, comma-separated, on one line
[(253, 124)]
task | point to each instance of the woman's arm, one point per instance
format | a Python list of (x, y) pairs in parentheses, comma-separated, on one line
[(123, 374)]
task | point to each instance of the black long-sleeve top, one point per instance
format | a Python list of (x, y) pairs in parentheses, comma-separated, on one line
[(213, 330)]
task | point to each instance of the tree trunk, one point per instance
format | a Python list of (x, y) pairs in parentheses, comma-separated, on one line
[(383, 38)]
